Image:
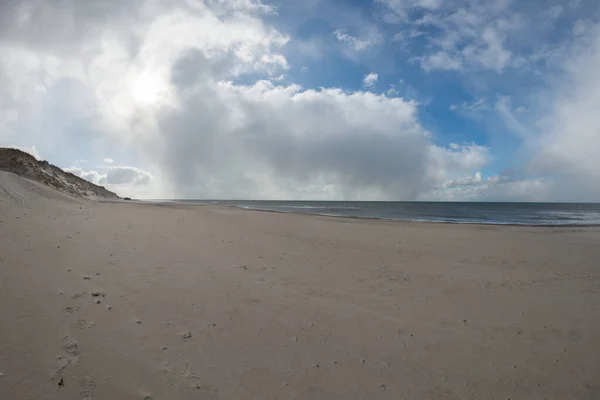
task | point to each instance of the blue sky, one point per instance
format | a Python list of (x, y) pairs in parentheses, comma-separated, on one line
[(319, 99)]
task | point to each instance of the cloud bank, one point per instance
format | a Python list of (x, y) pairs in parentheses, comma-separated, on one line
[(198, 94)]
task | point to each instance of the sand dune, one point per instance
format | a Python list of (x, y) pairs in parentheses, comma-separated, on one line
[(151, 301), (16, 190), (27, 166)]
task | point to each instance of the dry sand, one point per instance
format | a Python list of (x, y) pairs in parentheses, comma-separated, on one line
[(149, 301)]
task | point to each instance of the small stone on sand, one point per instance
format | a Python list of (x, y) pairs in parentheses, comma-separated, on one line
[(187, 335)]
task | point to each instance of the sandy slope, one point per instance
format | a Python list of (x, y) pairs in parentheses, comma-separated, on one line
[(27, 166), (203, 302), (15, 190)]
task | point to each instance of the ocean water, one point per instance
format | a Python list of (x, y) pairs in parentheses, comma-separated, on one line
[(544, 214)]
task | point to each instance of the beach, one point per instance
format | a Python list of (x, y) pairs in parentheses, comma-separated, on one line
[(129, 300)]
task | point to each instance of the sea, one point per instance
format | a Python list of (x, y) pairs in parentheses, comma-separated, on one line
[(542, 214)]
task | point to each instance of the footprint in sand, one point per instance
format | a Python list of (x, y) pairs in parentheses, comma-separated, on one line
[(72, 349), (63, 363), (81, 324), (78, 295), (194, 382), (71, 358), (165, 366), (87, 384), (195, 385)]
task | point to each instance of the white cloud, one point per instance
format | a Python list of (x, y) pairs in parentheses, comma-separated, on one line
[(92, 176), (509, 116), (455, 160), (225, 7), (581, 27), (552, 13), (568, 140), (122, 72), (356, 146), (163, 81), (128, 175), (108, 161), (440, 60), (392, 91), (370, 79), (507, 186), (494, 188), (476, 106), (476, 35), (116, 175), (398, 9), (126, 181), (406, 36), (357, 44), (465, 181)]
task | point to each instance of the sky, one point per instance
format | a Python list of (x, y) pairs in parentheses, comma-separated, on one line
[(432, 100)]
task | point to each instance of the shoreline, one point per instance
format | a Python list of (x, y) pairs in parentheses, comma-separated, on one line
[(390, 220)]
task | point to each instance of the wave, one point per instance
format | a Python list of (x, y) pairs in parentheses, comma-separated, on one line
[(299, 207), (443, 213)]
